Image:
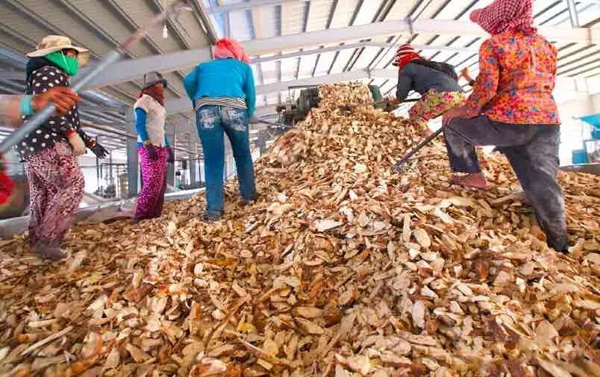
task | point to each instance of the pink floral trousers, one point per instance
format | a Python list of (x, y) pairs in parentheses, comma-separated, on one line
[(154, 184), (55, 188), (432, 105)]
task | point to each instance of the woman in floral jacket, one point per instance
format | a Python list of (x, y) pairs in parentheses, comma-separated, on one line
[(512, 108)]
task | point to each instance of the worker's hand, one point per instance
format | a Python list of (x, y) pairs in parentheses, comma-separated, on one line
[(466, 74), (62, 97), (253, 120), (99, 151), (152, 152), (170, 155), (457, 112), (77, 144)]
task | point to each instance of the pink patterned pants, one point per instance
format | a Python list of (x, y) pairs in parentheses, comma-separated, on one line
[(154, 184), (56, 189), (432, 105)]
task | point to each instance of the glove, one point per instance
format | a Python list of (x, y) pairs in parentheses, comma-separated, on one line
[(253, 120), (99, 151), (152, 152), (77, 144), (62, 97), (171, 155)]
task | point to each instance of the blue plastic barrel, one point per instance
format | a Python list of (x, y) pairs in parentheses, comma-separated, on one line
[(580, 156)]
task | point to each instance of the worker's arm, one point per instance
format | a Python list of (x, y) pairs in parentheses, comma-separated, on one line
[(88, 141), (141, 117), (14, 107), (486, 85), (190, 83), (250, 91), (405, 85)]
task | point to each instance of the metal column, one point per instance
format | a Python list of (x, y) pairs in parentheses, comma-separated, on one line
[(171, 167), (133, 164), (573, 13), (194, 166), (262, 142)]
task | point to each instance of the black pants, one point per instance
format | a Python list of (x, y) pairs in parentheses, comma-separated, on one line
[(533, 153)]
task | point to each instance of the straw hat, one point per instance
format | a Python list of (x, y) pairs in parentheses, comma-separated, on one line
[(53, 43)]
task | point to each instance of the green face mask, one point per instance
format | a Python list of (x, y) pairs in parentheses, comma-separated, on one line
[(68, 64)]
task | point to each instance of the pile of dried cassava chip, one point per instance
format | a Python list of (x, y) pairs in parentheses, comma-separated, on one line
[(342, 268)]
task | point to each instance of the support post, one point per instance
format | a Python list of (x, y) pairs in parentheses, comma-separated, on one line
[(133, 164), (171, 131), (574, 16), (194, 166), (262, 142)]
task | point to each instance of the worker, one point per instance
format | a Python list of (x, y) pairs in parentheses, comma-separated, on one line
[(50, 153), (224, 99), (512, 108), (436, 82), (14, 107), (153, 146)]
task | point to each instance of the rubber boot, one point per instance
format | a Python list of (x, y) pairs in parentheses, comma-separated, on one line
[(49, 250)]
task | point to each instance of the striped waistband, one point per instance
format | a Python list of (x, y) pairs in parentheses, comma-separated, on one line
[(237, 103)]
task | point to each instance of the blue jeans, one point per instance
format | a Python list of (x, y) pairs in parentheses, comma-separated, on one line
[(212, 123)]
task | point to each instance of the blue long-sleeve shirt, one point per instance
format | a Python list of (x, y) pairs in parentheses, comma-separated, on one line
[(140, 126), (229, 78)]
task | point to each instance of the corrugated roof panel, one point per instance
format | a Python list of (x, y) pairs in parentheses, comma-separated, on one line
[(318, 14), (266, 22), (324, 63), (139, 13), (367, 12), (366, 57), (270, 72), (588, 13), (289, 68), (343, 13), (341, 60), (292, 15), (401, 9), (307, 65), (240, 26)]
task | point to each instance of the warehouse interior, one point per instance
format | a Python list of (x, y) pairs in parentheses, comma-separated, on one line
[(342, 267)]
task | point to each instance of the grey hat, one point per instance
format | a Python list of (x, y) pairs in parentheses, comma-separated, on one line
[(152, 78)]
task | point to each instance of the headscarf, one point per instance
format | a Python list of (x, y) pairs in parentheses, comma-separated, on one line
[(405, 54), (506, 15), (227, 48), (153, 92)]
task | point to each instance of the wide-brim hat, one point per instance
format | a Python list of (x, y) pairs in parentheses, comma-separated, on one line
[(53, 43), (153, 78)]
